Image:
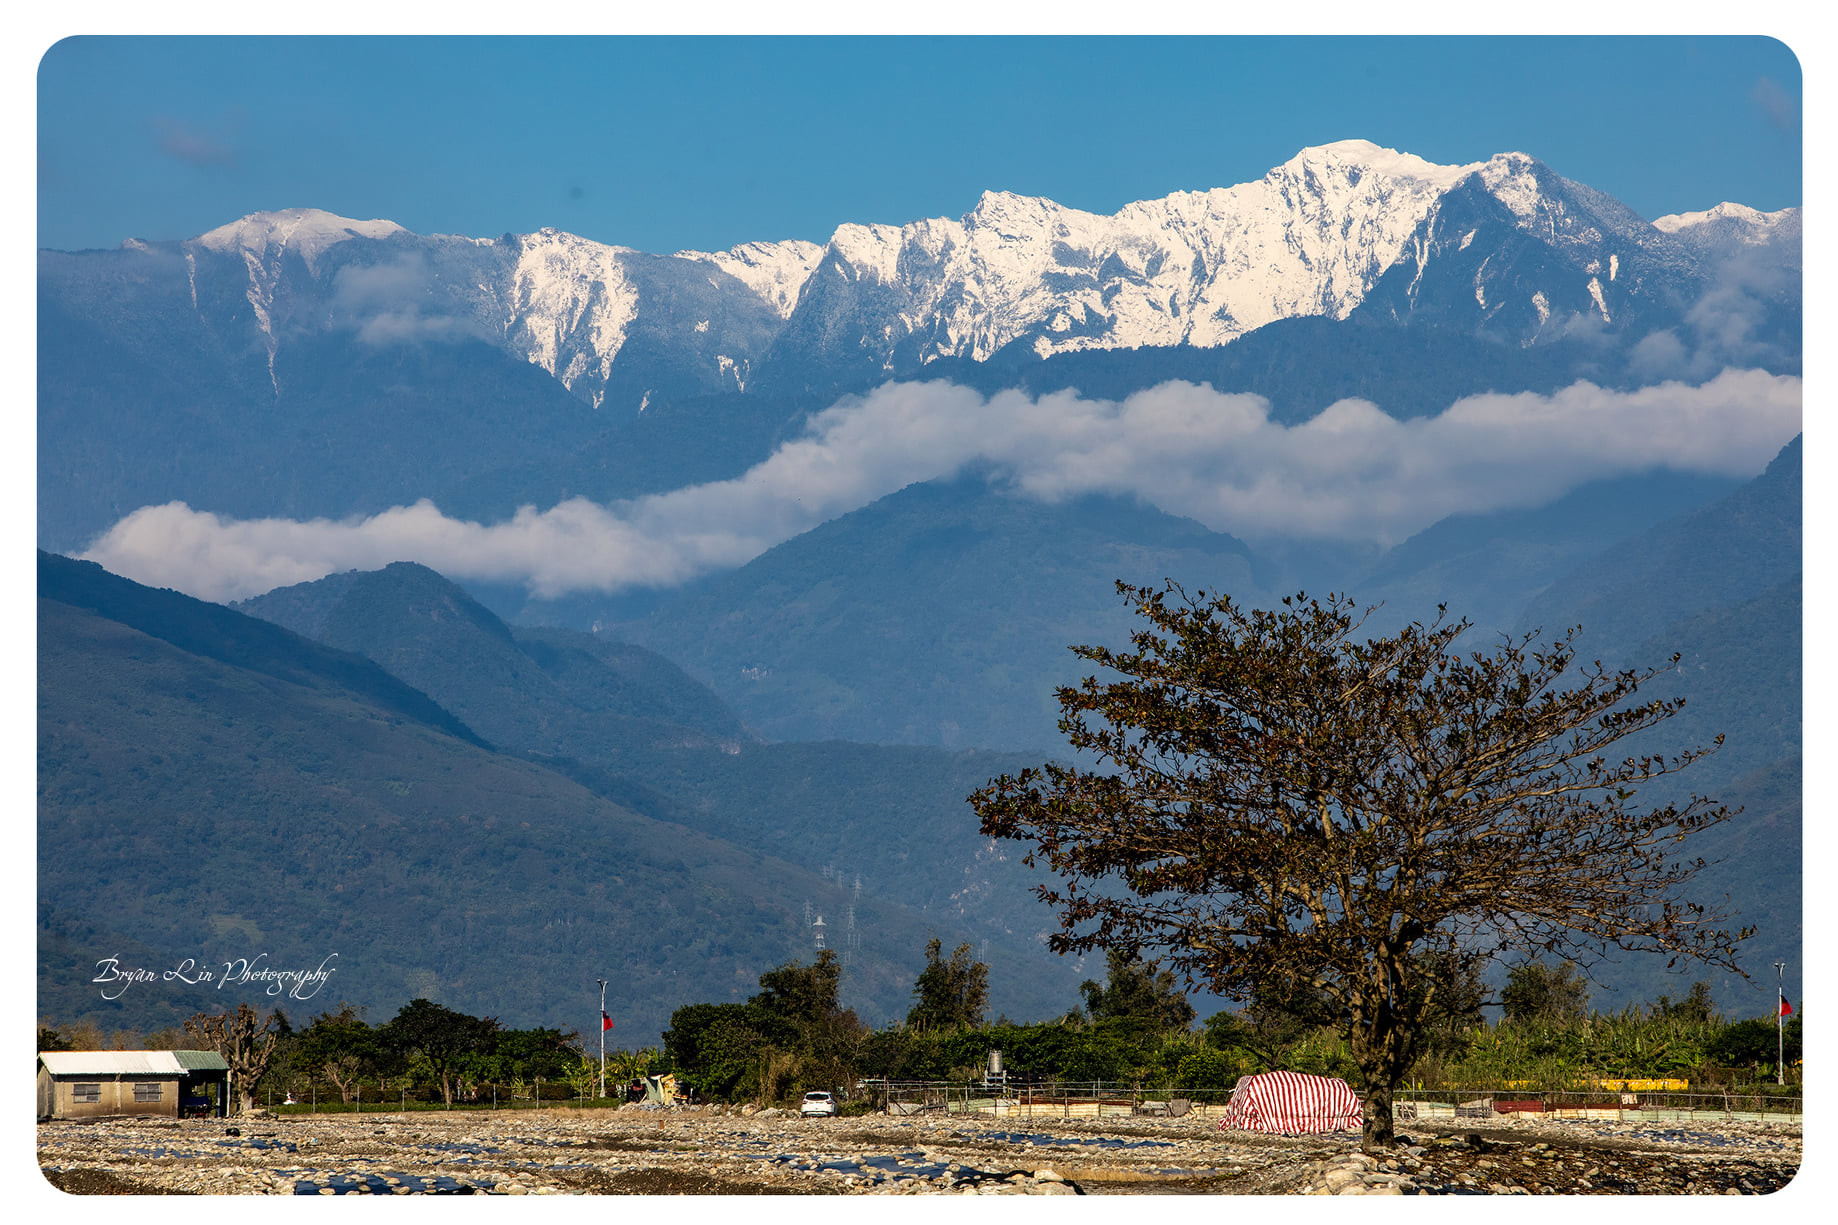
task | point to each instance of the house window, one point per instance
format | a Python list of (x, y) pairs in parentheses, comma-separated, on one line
[(86, 1091), (147, 1091)]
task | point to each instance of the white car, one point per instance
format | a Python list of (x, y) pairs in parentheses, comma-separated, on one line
[(818, 1105)]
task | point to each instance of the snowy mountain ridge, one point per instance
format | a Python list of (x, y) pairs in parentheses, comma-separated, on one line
[(1314, 236), (776, 271), (1759, 223)]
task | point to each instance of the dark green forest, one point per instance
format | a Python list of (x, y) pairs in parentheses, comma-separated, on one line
[(193, 808)]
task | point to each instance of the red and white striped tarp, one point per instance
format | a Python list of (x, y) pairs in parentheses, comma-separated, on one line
[(1291, 1103)]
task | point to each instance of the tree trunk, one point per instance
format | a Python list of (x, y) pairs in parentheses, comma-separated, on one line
[(1376, 1133), (1383, 1046), (343, 1072)]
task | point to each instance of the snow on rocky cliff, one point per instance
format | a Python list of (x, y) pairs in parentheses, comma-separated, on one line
[(570, 305), (1201, 268), (776, 271)]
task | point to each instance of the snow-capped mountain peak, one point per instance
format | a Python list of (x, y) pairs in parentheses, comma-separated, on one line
[(871, 250), (1006, 208), (1513, 180), (1369, 158), (1744, 224), (1736, 231), (308, 231), (1672, 223)]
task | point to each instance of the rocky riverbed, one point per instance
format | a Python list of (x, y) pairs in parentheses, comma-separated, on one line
[(635, 1151)]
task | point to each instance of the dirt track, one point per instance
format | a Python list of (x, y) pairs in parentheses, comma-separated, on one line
[(641, 1152)]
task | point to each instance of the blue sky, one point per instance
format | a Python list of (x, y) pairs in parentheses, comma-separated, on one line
[(669, 143)]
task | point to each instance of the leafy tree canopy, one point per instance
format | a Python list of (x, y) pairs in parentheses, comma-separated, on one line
[(1695, 1008), (802, 994), (1277, 798), (794, 1032), (1137, 991), (949, 994), (1538, 992), (528, 1053), (441, 1036)]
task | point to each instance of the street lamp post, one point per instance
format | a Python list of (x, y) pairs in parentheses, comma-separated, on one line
[(602, 983), (1780, 1015)]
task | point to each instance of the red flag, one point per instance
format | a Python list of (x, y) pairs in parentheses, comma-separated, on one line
[(1786, 1008), (606, 1022)]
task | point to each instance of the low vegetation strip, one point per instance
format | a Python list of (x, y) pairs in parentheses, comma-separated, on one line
[(1133, 1047)]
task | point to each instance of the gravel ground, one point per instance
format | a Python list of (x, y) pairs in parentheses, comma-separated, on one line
[(637, 1151)]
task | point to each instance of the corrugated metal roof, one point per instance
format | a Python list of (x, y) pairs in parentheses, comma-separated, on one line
[(201, 1061), (110, 1063)]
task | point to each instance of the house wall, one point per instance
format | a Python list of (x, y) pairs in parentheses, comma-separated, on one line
[(117, 1096)]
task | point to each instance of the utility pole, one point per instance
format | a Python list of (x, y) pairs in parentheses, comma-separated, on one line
[(604, 1019)]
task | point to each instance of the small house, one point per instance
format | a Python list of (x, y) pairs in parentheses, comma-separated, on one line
[(93, 1084)]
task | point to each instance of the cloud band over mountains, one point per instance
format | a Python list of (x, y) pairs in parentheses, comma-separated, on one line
[(1350, 473)]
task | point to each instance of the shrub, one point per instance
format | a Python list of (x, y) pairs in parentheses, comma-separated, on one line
[(1754, 1042), (1210, 1075)]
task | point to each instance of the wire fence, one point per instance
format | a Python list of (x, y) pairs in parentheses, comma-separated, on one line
[(1100, 1099), (1068, 1100), (396, 1098), (998, 1098), (1649, 1106)]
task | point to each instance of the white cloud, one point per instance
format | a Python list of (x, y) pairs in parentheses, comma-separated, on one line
[(370, 300), (1736, 322), (1350, 473)]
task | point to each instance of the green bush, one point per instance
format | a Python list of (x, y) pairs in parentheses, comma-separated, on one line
[(1208, 1075), (1755, 1042)]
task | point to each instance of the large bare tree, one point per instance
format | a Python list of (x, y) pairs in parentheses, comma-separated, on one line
[(246, 1041), (1278, 799)]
